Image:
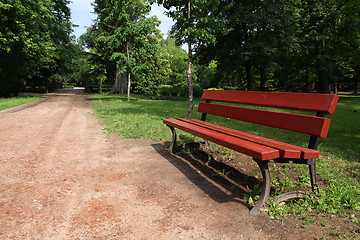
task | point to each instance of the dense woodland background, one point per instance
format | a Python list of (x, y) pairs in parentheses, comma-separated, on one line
[(283, 45)]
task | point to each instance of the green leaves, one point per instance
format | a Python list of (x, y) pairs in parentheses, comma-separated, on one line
[(284, 45), (125, 35), (202, 25), (32, 36)]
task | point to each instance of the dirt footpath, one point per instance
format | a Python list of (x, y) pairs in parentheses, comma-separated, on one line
[(63, 178)]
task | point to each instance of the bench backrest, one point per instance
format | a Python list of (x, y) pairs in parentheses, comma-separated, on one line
[(317, 126)]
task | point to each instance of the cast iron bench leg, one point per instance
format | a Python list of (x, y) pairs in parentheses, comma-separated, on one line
[(173, 143), (264, 167), (312, 170)]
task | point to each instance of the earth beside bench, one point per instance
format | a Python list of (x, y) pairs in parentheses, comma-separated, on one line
[(263, 150)]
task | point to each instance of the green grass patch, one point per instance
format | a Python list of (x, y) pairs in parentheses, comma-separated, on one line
[(338, 165), (6, 103), (344, 135), (139, 118), (68, 86)]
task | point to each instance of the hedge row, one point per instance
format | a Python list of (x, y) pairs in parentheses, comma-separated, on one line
[(179, 90)]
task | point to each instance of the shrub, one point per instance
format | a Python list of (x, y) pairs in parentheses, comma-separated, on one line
[(215, 89), (230, 88), (164, 90), (179, 90), (198, 91)]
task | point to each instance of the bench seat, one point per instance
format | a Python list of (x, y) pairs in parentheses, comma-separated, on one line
[(255, 146)]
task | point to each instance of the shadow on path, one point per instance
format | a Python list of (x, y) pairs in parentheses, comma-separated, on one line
[(207, 180)]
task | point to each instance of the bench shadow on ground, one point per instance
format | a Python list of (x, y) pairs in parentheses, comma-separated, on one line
[(193, 166)]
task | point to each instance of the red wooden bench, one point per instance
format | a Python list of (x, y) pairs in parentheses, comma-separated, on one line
[(263, 150)]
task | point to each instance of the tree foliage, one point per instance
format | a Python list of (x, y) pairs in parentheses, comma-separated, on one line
[(124, 35), (34, 42), (194, 25), (286, 45), (279, 45)]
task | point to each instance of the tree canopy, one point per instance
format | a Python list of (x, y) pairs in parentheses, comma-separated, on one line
[(34, 42), (286, 45), (233, 44)]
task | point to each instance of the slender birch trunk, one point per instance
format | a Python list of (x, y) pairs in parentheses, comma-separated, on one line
[(190, 86), (128, 71)]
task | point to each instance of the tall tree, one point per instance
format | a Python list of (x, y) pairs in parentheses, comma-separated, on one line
[(194, 25), (103, 69), (122, 27), (23, 39), (256, 32), (34, 36)]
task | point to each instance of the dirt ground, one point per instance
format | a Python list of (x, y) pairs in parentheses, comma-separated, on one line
[(62, 177)]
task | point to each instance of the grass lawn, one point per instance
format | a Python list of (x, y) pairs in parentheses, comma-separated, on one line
[(141, 118), (6, 103), (338, 166)]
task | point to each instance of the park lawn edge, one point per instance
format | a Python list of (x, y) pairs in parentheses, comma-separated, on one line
[(9, 103)]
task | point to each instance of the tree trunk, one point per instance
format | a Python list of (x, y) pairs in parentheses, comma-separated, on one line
[(123, 84), (100, 86), (236, 79), (307, 79), (116, 87), (128, 71), (128, 87), (248, 75), (119, 83), (335, 87), (87, 89), (323, 82), (356, 79), (263, 79), (190, 86), (47, 86)]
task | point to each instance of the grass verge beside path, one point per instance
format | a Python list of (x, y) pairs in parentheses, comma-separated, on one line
[(6, 103), (338, 166), (139, 118)]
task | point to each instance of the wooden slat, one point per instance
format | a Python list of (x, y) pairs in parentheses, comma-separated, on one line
[(324, 103), (252, 149), (286, 150), (315, 126)]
